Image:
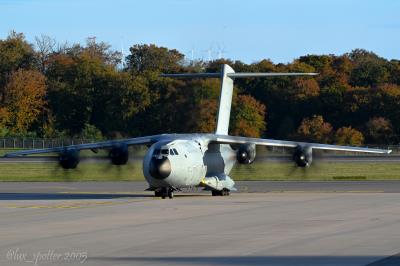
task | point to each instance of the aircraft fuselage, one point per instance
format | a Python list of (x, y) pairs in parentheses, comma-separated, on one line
[(187, 163)]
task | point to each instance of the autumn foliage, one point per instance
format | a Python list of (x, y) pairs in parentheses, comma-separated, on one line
[(24, 100), (248, 117), (348, 136), (315, 129), (52, 90)]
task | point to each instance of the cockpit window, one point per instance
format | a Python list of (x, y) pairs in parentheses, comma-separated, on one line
[(164, 151), (176, 152), (171, 152)]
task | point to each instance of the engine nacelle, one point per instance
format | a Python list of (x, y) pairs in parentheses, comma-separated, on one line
[(69, 158), (119, 154), (302, 156), (246, 153)]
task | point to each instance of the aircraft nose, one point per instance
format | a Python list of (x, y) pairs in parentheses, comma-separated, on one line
[(160, 168)]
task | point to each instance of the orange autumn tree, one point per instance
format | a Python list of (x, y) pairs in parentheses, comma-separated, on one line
[(348, 136), (208, 110), (247, 118), (24, 100), (315, 129)]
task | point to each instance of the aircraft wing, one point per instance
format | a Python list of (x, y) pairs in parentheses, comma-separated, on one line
[(226, 139), (91, 146)]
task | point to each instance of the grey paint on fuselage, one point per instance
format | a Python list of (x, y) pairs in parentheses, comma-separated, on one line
[(195, 161), (219, 159)]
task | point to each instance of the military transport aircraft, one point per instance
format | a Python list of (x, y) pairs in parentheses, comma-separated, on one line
[(175, 161)]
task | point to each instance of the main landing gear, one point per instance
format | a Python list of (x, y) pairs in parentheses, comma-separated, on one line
[(223, 192), (164, 192)]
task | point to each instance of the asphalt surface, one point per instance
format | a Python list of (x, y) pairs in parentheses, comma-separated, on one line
[(138, 187), (116, 223)]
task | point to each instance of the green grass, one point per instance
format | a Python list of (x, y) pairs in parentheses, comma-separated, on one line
[(91, 171), (4, 151), (320, 171), (87, 171), (83, 153)]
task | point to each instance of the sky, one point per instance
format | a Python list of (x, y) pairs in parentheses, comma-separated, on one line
[(246, 30)]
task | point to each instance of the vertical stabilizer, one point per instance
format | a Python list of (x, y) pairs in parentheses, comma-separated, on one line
[(227, 76), (225, 101)]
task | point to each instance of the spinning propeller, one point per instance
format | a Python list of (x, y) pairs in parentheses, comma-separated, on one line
[(69, 158)]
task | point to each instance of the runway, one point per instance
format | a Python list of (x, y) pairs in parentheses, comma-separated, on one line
[(116, 223), (138, 187)]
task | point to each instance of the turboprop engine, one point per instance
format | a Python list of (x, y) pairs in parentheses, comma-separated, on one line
[(119, 154), (246, 153), (69, 158), (302, 156)]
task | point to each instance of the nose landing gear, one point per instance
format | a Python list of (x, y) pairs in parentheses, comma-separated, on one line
[(164, 192), (223, 192)]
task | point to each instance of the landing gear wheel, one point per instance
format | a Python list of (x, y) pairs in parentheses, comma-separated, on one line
[(163, 193), (170, 193), (225, 192)]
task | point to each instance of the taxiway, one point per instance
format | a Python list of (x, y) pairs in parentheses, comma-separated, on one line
[(118, 224)]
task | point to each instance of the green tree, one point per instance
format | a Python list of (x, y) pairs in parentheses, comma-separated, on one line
[(15, 53), (87, 88), (379, 130), (395, 71), (332, 101), (248, 117), (102, 51), (91, 132), (386, 102), (356, 107), (370, 70), (368, 74), (153, 58), (118, 98), (318, 62)]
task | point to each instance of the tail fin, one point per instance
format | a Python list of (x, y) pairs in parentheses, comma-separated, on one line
[(227, 76), (225, 101)]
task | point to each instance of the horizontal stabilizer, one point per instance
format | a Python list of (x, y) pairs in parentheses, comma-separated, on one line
[(234, 75), (257, 75), (192, 75)]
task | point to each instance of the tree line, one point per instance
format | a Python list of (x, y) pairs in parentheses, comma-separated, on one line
[(48, 90)]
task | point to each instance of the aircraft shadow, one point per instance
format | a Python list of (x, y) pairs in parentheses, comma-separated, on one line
[(256, 260), (82, 196), (68, 196)]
